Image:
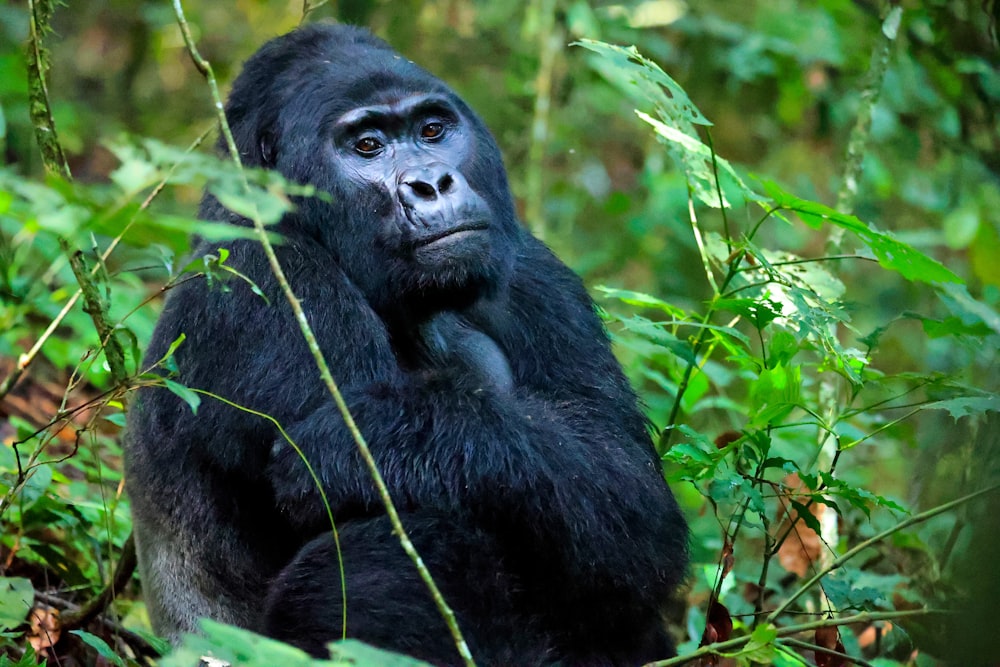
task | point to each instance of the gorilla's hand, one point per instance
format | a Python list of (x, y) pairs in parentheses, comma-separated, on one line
[(449, 341)]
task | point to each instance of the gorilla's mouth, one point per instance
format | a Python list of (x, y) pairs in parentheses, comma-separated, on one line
[(434, 237)]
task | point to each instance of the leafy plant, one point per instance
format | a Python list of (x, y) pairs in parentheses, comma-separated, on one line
[(766, 356)]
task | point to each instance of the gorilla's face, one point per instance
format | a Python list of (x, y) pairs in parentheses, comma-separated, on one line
[(421, 217), (414, 151)]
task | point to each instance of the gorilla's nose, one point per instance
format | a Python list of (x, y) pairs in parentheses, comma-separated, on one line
[(425, 184)]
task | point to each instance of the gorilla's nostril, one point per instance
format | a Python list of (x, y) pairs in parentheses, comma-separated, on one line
[(422, 189), (445, 183)]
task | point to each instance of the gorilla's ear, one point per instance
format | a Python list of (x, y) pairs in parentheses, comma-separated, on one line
[(268, 144)]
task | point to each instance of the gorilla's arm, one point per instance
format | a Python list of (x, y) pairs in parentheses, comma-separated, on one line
[(560, 466), (563, 461), (448, 340)]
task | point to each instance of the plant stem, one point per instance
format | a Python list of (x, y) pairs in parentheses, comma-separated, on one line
[(861, 546), (205, 68)]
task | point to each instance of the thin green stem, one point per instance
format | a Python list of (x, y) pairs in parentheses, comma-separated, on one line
[(861, 546), (205, 68), (730, 645)]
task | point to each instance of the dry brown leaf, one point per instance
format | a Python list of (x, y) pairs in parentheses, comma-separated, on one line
[(868, 636), (829, 638), (718, 624), (45, 628), (803, 546)]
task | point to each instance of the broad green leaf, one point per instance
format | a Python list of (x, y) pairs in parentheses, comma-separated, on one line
[(725, 486), (782, 348), (641, 300), (674, 119), (29, 659), (952, 326), (657, 334), (891, 253), (776, 392), (652, 83), (353, 652), (100, 646), (965, 406), (759, 312), (17, 595), (752, 494), (760, 649), (243, 648), (968, 308), (251, 203), (806, 516), (849, 588), (858, 497), (697, 162)]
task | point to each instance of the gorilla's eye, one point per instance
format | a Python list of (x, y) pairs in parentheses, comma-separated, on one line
[(367, 146), (432, 130)]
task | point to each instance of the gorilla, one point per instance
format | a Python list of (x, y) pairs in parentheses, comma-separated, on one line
[(472, 361)]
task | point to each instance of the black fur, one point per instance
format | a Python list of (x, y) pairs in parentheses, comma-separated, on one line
[(476, 369)]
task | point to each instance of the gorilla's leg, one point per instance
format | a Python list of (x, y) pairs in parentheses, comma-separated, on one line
[(388, 605)]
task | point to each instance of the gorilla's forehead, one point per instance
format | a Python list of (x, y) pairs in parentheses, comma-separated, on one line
[(387, 86), (375, 77)]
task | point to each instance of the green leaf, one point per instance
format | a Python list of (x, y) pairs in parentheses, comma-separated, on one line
[(754, 497), (759, 312), (760, 649), (699, 163), (36, 486), (100, 646), (675, 119), (891, 253), (970, 310), (116, 418), (243, 648), (354, 652), (951, 326), (251, 203), (656, 333), (646, 77), (782, 348), (641, 300), (806, 516), (17, 595), (29, 659), (849, 588), (776, 392), (683, 450), (858, 497), (187, 395), (965, 406)]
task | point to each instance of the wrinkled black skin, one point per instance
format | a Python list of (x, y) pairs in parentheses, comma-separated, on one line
[(475, 367)]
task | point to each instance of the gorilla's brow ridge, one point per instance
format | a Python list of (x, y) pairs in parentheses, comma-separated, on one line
[(382, 115)]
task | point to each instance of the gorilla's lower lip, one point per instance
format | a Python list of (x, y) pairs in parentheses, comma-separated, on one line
[(451, 231)]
